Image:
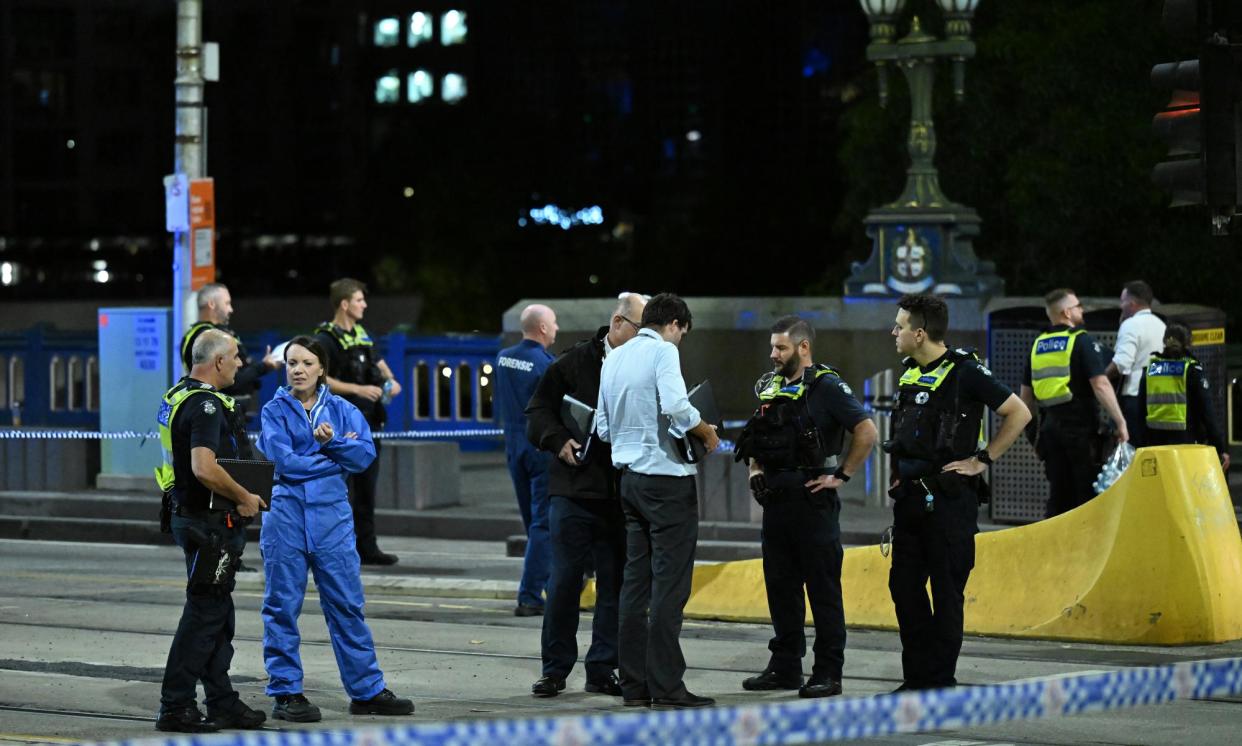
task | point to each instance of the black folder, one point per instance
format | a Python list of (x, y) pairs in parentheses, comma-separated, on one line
[(692, 448), (255, 476), (579, 419)]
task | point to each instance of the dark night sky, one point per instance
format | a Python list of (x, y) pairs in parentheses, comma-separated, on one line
[(700, 131)]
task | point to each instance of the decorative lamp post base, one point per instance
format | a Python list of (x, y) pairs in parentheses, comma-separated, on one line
[(923, 250)]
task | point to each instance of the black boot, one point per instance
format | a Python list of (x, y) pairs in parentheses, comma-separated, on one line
[(384, 703)]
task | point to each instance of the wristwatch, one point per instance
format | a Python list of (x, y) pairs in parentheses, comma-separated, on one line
[(983, 456), (841, 475)]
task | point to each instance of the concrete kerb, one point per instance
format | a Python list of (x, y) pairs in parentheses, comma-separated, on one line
[(416, 586)]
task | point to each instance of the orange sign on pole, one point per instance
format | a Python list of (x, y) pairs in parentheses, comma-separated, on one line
[(202, 233)]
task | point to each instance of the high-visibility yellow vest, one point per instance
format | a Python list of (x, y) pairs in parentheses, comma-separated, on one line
[(173, 399), (1050, 366), (1166, 392), (358, 337)]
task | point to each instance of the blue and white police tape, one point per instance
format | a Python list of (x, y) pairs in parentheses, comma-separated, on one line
[(22, 434), (726, 446), (807, 721)]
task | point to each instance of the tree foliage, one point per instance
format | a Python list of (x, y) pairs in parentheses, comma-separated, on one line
[(1053, 146)]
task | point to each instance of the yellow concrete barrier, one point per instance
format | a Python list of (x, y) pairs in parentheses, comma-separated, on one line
[(1156, 559)]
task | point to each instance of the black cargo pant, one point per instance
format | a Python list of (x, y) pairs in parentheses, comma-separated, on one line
[(202, 648), (802, 547), (661, 531), (1070, 450), (936, 545), (362, 488)]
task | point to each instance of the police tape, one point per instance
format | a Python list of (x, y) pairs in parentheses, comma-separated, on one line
[(726, 446), (129, 435), (807, 721)]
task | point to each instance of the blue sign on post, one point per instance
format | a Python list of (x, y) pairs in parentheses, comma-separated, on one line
[(134, 357)]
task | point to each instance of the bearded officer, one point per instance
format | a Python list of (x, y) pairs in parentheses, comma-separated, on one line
[(792, 443)]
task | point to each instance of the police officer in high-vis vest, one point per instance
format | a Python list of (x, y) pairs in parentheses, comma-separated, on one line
[(1177, 399), (792, 443), (938, 461), (357, 374), (197, 425), (1064, 380), (215, 308)]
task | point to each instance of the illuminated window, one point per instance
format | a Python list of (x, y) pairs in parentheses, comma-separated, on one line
[(92, 384), (387, 32), (465, 392), (77, 384), (453, 28), (420, 29), (419, 86), (444, 391), (485, 379), (422, 391), (388, 88), (17, 381), (58, 385), (453, 88)]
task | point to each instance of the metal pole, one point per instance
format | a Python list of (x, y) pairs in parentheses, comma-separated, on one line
[(189, 154)]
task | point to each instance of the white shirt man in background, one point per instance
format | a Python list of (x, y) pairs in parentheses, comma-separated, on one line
[(1140, 336)]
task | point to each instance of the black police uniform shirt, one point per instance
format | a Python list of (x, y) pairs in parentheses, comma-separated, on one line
[(340, 367), (200, 423), (833, 408), (1086, 362)]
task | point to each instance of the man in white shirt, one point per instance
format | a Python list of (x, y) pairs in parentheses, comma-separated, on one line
[(1140, 336), (642, 409)]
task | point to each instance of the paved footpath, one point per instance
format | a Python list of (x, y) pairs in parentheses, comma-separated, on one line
[(84, 631)]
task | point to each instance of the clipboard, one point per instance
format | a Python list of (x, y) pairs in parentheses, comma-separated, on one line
[(691, 448), (579, 419), (255, 476)]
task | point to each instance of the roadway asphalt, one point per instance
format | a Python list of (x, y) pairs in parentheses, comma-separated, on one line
[(85, 627)]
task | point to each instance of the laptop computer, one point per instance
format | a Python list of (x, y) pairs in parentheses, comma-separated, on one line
[(255, 476)]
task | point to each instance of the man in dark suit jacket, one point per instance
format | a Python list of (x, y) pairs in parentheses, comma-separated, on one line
[(584, 515)]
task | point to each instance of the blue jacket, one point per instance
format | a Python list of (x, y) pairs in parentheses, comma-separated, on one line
[(518, 370), (312, 473)]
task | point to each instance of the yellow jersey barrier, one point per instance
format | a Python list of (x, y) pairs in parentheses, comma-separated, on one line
[(1154, 560)]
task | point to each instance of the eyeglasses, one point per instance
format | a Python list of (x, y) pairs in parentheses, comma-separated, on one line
[(637, 328)]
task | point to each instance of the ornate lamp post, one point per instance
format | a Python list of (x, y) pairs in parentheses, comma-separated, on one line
[(922, 240)]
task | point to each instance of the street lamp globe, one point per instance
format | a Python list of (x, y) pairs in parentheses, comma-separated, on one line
[(881, 13), (957, 15)]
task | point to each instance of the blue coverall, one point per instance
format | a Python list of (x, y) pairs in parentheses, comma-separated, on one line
[(518, 370), (311, 525)]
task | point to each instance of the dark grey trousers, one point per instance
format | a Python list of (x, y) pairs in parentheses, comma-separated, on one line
[(661, 530)]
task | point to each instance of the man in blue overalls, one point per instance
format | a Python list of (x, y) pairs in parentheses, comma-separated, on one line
[(518, 370)]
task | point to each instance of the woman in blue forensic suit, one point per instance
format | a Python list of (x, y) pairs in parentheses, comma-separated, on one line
[(316, 440)]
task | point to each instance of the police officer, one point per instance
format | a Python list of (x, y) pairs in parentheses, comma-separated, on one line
[(792, 443), (198, 423), (1064, 379), (585, 522), (518, 370), (937, 485), (215, 308), (1177, 399), (357, 374)]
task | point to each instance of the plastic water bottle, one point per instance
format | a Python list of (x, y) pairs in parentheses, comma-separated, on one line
[(387, 395)]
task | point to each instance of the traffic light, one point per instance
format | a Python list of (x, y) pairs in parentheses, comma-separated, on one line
[(1202, 122)]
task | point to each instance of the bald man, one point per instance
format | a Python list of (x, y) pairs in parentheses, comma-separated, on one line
[(518, 370)]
